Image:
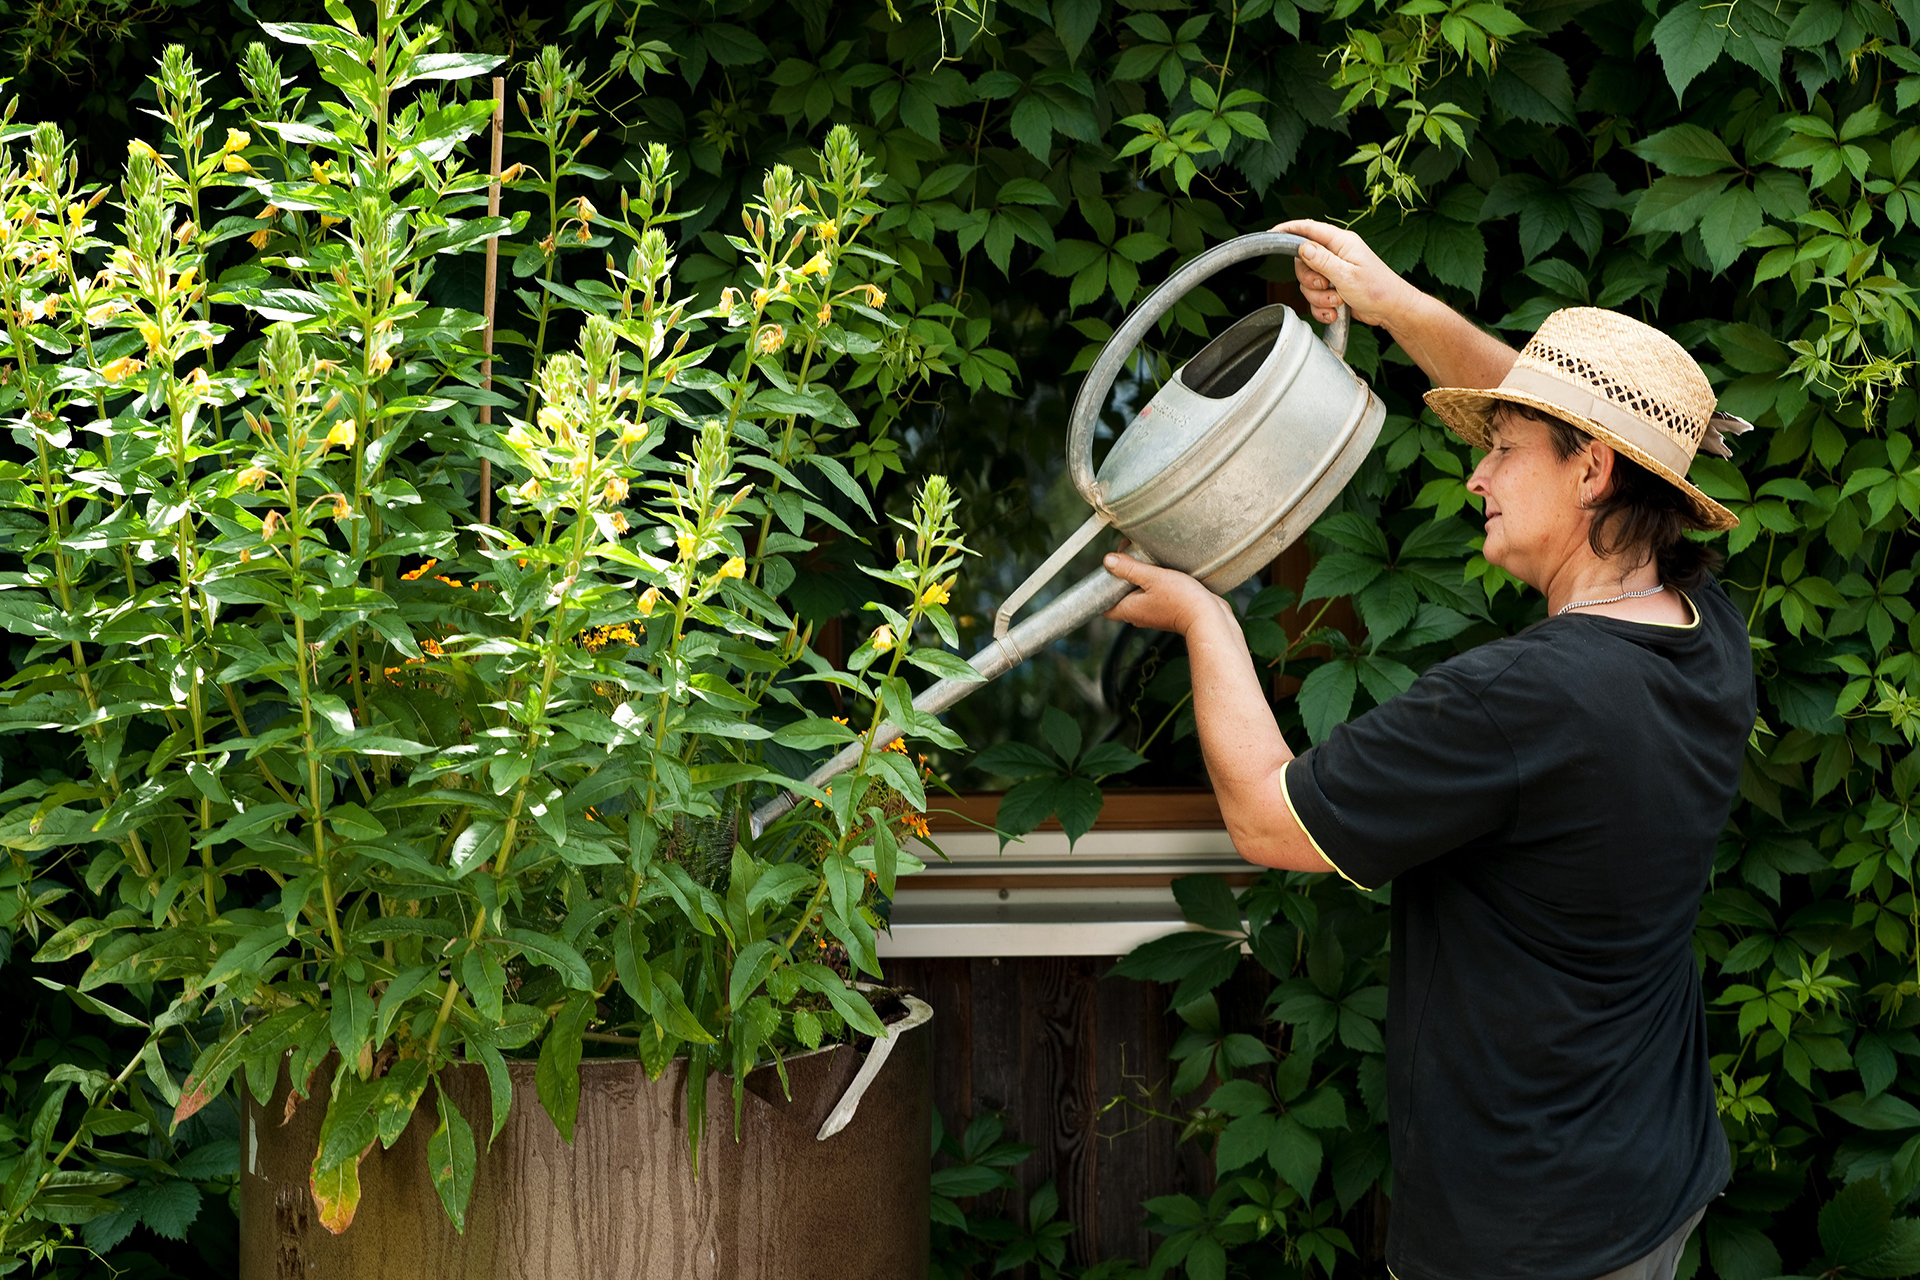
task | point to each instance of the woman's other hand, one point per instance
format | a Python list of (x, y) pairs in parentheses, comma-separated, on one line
[(1336, 265), (1168, 600)]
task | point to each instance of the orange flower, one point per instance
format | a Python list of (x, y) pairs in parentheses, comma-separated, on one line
[(414, 575)]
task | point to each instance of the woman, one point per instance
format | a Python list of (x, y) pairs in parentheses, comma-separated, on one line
[(1546, 806)]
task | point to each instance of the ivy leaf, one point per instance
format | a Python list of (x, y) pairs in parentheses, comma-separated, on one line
[(1456, 254), (1062, 733), (1689, 40), (1326, 696), (1676, 204), (1296, 1154), (1032, 126), (1074, 21), (1532, 84), (1729, 220), (1685, 150), (1208, 902)]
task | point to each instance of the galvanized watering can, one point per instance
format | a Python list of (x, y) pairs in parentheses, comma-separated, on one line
[(1231, 460)]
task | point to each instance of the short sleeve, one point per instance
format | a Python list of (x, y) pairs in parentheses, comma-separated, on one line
[(1416, 777)]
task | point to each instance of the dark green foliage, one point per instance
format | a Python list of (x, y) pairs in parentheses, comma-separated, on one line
[(1743, 177)]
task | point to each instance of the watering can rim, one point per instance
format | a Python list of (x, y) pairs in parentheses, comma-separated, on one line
[(1107, 365)]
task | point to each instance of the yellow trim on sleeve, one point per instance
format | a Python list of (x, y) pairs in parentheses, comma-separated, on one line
[(1288, 797)]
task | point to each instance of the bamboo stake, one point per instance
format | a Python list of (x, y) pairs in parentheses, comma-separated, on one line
[(493, 278)]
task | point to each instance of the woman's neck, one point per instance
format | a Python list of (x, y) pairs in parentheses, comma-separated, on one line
[(1607, 587)]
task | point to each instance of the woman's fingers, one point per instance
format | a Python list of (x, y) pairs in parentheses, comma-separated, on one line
[(1168, 600)]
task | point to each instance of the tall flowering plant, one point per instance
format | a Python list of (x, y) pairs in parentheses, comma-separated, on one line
[(361, 785)]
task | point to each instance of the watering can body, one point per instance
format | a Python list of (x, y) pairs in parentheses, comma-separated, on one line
[(1234, 457)]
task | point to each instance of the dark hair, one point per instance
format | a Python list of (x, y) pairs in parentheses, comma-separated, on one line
[(1642, 515)]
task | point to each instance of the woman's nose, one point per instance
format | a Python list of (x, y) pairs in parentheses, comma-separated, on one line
[(1477, 482)]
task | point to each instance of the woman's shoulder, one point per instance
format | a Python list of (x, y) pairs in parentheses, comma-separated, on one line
[(1575, 651)]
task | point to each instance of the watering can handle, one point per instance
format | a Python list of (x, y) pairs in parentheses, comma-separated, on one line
[(1113, 357)]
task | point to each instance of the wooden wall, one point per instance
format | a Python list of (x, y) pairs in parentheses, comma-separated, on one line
[(1060, 1052)]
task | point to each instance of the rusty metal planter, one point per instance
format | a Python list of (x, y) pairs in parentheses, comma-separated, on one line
[(621, 1201)]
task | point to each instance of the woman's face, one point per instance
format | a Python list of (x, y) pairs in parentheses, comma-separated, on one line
[(1536, 519)]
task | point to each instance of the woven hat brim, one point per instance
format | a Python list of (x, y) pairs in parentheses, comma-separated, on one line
[(1468, 414)]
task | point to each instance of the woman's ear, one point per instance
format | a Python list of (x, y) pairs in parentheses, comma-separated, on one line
[(1596, 479)]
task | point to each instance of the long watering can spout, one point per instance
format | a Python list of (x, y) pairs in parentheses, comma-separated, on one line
[(1073, 608)]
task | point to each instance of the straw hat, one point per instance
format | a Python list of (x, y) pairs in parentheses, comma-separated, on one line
[(1617, 380)]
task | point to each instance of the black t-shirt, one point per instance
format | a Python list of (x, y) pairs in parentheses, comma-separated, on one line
[(1547, 807)]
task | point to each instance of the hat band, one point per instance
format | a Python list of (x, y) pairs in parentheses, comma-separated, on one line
[(1630, 427)]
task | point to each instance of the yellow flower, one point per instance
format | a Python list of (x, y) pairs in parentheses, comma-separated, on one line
[(586, 209), (106, 311), (319, 169), (236, 164), (151, 332), (122, 369), (938, 593), (760, 297), (528, 492), (875, 295), (328, 220), (817, 265), (250, 479), (259, 238), (827, 230), (649, 601), (380, 361), (185, 280), (772, 338), (238, 140), (75, 214), (139, 148), (551, 419), (633, 433), (185, 232), (343, 434), (735, 567), (824, 314), (341, 510), (685, 544), (882, 638), (620, 524), (615, 492)]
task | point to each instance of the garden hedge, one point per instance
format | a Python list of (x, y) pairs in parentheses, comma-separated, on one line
[(1742, 175)]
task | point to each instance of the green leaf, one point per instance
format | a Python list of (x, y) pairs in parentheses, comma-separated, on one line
[(1885, 1112), (1854, 1224), (1532, 83), (1326, 696), (555, 954), (1296, 1155), (1676, 204), (1074, 22), (1685, 150), (556, 1077), (1062, 733), (1688, 39), (1208, 902), (1014, 760), (452, 1160)]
